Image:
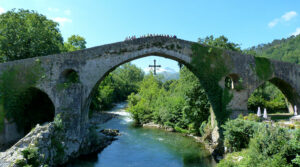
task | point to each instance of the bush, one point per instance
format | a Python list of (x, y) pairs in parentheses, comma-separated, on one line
[(58, 124), (269, 147), (252, 117), (296, 160), (31, 158), (237, 134)]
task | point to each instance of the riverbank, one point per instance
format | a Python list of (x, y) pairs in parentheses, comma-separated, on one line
[(199, 139), (50, 144)]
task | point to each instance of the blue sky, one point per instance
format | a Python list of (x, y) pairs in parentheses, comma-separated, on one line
[(247, 23)]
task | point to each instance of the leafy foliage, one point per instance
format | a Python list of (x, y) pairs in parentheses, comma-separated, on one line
[(221, 42), (75, 42), (31, 158), (267, 96), (25, 34), (252, 117), (180, 104), (268, 146), (284, 49), (237, 134), (58, 124), (117, 86)]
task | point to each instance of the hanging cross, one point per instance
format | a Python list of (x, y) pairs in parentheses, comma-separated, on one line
[(154, 66)]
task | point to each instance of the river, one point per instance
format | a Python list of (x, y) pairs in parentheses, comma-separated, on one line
[(145, 147)]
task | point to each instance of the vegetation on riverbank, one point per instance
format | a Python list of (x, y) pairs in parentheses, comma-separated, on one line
[(116, 87), (181, 104), (252, 143)]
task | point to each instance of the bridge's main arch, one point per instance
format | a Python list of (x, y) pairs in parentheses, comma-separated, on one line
[(101, 73)]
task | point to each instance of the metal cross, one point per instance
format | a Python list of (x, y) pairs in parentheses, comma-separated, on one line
[(154, 66)]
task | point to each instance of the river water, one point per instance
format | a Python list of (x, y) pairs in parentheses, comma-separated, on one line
[(145, 147)]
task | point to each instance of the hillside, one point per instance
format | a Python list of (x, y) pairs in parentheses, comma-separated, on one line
[(285, 49)]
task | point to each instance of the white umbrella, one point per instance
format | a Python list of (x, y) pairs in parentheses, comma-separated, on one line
[(265, 114), (258, 112)]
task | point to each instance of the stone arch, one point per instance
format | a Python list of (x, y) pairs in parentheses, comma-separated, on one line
[(173, 55), (287, 90), (233, 81), (42, 106), (37, 108)]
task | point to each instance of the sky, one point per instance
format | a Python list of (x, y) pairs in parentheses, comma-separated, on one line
[(247, 23)]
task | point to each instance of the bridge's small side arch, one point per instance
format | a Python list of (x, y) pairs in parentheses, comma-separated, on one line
[(32, 107), (39, 108), (233, 81), (287, 90)]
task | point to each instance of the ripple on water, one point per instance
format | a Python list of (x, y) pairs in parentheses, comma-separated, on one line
[(160, 139)]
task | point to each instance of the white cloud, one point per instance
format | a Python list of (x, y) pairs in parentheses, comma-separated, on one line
[(2, 10), (289, 15), (53, 10), (297, 32), (67, 12), (284, 18), (62, 20), (273, 23)]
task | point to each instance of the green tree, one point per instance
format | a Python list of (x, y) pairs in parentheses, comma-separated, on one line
[(142, 105), (220, 42), (75, 42), (267, 96), (25, 34), (117, 86)]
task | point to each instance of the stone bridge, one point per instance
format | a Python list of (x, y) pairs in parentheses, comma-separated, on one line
[(212, 66)]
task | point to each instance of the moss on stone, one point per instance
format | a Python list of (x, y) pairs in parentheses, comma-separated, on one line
[(208, 63), (263, 68), (31, 157), (13, 83), (57, 145)]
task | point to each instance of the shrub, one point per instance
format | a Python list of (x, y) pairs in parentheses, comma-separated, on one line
[(237, 133), (296, 160), (252, 117), (180, 130), (58, 124), (269, 147), (31, 158)]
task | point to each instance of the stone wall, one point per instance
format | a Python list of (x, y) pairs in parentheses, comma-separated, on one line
[(9, 135)]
